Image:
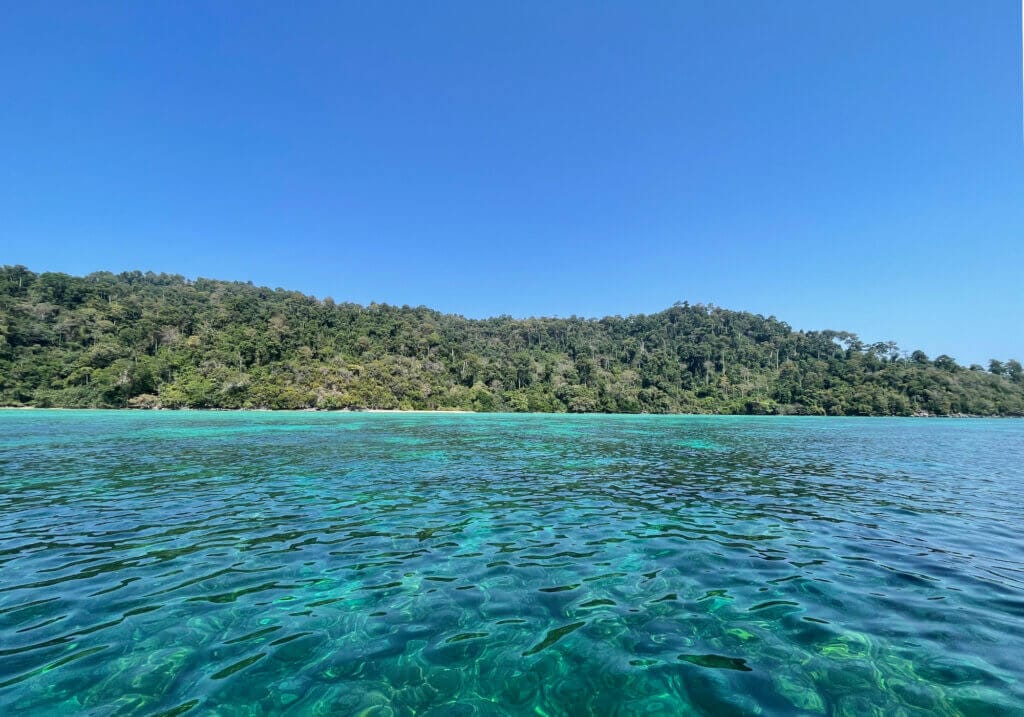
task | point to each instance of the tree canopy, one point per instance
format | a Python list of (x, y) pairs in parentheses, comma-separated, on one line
[(150, 340)]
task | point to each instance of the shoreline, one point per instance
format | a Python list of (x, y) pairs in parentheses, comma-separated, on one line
[(460, 411)]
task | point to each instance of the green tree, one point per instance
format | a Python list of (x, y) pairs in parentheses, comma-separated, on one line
[(149, 340)]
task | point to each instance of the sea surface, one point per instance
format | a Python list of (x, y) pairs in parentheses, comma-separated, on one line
[(398, 564)]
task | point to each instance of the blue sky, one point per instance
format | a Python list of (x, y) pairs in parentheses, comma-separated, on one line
[(854, 166)]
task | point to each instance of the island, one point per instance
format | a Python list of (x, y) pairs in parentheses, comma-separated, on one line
[(147, 340)]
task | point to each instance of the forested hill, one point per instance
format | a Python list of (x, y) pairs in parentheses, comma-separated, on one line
[(151, 340)]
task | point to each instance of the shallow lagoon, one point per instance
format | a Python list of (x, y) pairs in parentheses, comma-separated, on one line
[(310, 563)]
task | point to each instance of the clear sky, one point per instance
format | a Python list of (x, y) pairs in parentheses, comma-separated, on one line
[(842, 165)]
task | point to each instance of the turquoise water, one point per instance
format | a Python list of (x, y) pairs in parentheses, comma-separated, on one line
[(398, 564)]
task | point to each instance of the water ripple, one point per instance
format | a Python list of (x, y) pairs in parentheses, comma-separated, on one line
[(162, 563)]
